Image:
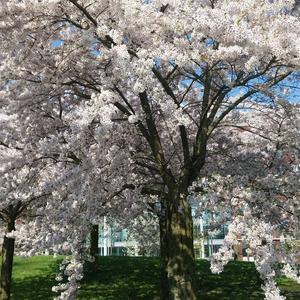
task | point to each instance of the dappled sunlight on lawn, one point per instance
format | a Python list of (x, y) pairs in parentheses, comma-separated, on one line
[(129, 278), (33, 277)]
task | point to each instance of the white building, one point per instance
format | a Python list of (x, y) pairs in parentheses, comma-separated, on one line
[(117, 242)]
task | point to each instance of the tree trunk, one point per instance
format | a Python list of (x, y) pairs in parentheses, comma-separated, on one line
[(297, 230), (94, 241), (181, 259), (238, 252), (7, 263), (94, 236), (164, 286), (297, 227)]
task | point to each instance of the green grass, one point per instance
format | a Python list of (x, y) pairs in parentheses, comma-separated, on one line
[(129, 278), (33, 277)]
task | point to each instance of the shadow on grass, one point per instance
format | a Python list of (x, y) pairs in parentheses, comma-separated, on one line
[(290, 288), (33, 278), (238, 281), (130, 278), (122, 278), (138, 278)]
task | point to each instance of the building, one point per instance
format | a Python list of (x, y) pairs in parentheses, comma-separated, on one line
[(113, 241)]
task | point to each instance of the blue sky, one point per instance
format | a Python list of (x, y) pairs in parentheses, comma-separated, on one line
[(293, 86)]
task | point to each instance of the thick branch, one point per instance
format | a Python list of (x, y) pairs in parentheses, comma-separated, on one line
[(165, 85), (84, 11), (155, 142), (185, 145)]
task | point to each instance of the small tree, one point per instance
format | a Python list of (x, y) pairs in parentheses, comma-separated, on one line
[(22, 193)]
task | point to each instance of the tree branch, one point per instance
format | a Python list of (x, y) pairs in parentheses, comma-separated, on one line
[(84, 11)]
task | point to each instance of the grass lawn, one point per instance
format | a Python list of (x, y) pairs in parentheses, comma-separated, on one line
[(129, 278), (33, 277)]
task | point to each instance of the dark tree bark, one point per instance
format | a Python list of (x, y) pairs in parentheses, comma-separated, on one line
[(181, 259), (164, 286), (94, 250), (7, 263), (297, 229), (94, 241)]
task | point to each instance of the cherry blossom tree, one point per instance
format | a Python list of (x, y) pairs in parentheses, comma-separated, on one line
[(161, 77), (256, 194), (24, 188)]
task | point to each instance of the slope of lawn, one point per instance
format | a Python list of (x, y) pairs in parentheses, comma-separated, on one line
[(129, 278)]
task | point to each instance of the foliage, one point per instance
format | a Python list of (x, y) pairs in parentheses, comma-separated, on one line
[(126, 104)]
